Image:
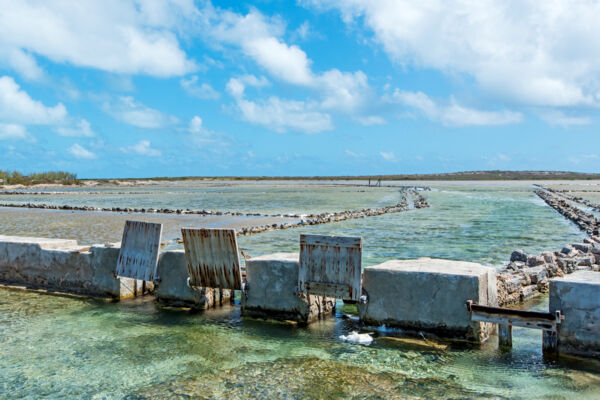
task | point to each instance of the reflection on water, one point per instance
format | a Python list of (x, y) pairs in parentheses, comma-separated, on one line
[(76, 348)]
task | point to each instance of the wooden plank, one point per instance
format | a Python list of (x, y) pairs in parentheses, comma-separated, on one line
[(505, 335), (511, 317), (212, 258), (524, 322), (337, 241), (138, 256), (330, 266), (549, 342), (512, 312)]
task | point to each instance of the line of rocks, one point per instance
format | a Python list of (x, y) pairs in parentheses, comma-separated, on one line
[(325, 218), (418, 201), (585, 221), (576, 199), (526, 275), (55, 192)]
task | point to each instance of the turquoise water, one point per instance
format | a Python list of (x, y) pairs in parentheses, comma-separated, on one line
[(58, 347), (62, 347)]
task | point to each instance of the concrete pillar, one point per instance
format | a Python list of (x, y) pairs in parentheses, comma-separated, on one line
[(172, 289), (271, 291), (429, 295), (577, 296)]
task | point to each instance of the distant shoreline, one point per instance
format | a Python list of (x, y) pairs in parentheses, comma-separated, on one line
[(450, 176)]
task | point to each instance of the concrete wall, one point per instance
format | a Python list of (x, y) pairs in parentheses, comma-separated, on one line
[(63, 265), (270, 291), (577, 296), (172, 289), (429, 295)]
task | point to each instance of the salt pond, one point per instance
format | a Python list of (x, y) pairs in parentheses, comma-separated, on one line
[(65, 347)]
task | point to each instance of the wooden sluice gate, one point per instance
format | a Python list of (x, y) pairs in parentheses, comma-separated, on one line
[(213, 258), (331, 266), (506, 318)]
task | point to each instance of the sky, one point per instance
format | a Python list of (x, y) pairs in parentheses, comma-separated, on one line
[(143, 88)]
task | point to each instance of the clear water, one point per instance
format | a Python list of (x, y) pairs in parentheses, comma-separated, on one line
[(61, 347), (58, 347)]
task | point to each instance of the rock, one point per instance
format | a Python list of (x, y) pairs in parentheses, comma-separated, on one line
[(518, 255), (549, 257), (582, 247), (536, 274), (528, 292), (534, 261)]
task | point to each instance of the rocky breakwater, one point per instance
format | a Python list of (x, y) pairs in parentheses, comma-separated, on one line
[(526, 275), (411, 199), (585, 221), (577, 199), (418, 201)]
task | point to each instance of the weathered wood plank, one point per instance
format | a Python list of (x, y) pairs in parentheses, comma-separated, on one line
[(212, 258), (138, 256), (504, 335), (511, 317), (330, 266)]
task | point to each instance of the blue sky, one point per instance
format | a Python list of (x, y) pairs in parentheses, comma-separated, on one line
[(119, 88)]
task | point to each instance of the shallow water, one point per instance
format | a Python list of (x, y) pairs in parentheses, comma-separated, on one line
[(482, 222), (61, 347)]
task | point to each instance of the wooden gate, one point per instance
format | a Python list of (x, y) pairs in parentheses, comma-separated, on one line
[(138, 256), (212, 258), (330, 266)]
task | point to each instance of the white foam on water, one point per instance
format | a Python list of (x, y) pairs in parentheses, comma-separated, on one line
[(354, 337)]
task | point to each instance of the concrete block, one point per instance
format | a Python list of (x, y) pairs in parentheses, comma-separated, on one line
[(577, 296), (172, 290), (271, 291), (63, 265), (429, 295)]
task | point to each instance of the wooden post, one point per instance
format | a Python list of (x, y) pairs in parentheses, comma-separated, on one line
[(505, 335), (549, 342)]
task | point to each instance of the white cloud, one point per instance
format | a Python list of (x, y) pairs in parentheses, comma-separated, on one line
[(352, 154), (371, 120), (278, 114), (142, 148), (80, 152), (454, 114), (261, 39), (16, 106), (13, 132), (132, 112), (388, 156), (531, 52), (130, 37), (201, 136), (555, 117), (201, 91), (81, 128)]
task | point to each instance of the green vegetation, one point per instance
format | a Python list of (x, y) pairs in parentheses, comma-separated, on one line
[(17, 178)]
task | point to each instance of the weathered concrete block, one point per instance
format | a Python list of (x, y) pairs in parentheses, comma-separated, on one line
[(172, 290), (63, 265), (429, 295), (577, 296), (271, 290)]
